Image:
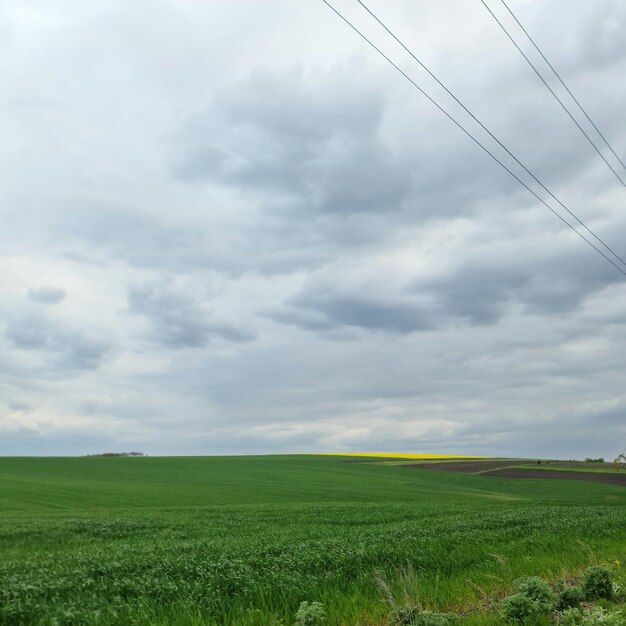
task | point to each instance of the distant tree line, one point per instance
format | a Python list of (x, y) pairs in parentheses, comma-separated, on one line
[(118, 454), (600, 460)]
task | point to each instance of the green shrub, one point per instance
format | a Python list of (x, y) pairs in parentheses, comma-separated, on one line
[(413, 616), (569, 598), (533, 597), (537, 590), (597, 583), (429, 618), (598, 616), (592, 616), (619, 593), (570, 617), (404, 615), (519, 607), (310, 614)]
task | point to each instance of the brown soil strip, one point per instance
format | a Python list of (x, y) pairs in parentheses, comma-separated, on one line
[(466, 467), (572, 465), (474, 467), (610, 479)]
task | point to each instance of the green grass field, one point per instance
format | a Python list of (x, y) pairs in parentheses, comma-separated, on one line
[(243, 540)]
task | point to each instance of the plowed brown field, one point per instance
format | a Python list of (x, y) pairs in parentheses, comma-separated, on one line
[(465, 467), (594, 477)]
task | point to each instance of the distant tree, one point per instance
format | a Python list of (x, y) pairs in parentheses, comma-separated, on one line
[(118, 454)]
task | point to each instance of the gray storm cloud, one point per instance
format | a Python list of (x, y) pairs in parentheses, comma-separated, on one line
[(47, 295)]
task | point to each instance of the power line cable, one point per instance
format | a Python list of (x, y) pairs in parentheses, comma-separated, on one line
[(461, 127), (543, 80), (441, 84), (574, 98)]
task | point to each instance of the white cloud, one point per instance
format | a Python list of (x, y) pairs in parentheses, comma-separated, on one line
[(240, 231)]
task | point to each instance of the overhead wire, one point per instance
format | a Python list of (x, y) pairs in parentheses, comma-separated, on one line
[(469, 134), (574, 98), (478, 121), (555, 95)]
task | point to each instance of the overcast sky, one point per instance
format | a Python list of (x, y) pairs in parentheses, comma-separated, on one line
[(230, 227)]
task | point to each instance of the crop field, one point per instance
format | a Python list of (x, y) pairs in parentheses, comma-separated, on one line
[(244, 540), (517, 468)]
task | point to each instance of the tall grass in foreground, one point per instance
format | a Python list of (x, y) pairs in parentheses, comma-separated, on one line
[(255, 564), (215, 541)]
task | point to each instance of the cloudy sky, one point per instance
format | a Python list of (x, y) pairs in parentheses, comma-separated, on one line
[(230, 227)]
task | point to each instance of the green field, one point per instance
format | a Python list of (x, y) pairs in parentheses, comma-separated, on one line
[(243, 540)]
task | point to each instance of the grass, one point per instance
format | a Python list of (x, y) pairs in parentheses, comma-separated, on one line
[(420, 457), (243, 540)]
